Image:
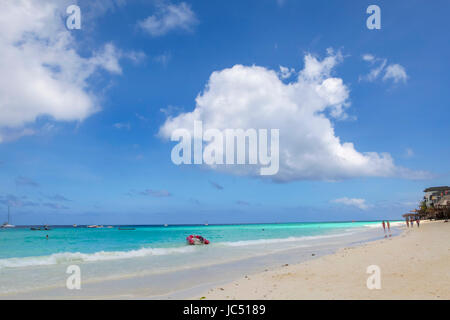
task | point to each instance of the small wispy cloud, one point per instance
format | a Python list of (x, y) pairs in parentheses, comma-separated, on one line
[(141, 117), (171, 110), (24, 181), (216, 185), (14, 201), (55, 206), (415, 175), (368, 57), (169, 17), (381, 69), (163, 58), (57, 197), (135, 56), (409, 152), (353, 202), (122, 125), (395, 72), (156, 193), (12, 134)]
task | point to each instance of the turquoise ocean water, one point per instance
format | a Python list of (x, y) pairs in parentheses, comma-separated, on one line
[(28, 260), (23, 242)]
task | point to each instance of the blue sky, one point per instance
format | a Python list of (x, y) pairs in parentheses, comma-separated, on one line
[(85, 149)]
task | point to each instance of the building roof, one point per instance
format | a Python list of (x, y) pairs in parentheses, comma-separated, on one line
[(431, 189), (409, 215)]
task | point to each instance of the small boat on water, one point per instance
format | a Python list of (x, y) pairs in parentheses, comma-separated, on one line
[(43, 228), (196, 240), (94, 226), (7, 225)]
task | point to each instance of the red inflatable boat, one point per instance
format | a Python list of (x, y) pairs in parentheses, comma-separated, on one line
[(196, 240)]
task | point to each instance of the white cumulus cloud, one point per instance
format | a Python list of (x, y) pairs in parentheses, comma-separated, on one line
[(169, 17), (246, 97), (42, 73)]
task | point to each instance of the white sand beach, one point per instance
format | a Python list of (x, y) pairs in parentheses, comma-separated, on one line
[(414, 265)]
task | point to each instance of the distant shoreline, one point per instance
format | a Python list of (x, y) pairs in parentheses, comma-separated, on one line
[(195, 224)]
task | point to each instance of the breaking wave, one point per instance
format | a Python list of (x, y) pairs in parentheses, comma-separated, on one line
[(282, 240), (77, 257), (67, 257)]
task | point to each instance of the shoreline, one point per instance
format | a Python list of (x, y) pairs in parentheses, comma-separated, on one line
[(418, 273), (414, 265), (187, 283)]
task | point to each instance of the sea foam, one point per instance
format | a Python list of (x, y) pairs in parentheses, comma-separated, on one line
[(78, 257), (68, 257), (282, 240)]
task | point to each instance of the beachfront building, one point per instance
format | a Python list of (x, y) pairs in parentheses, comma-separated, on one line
[(437, 205), (434, 194), (444, 201)]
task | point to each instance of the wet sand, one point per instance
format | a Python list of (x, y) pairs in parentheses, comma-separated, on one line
[(414, 265)]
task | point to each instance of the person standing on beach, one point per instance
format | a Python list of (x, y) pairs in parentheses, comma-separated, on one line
[(418, 222), (384, 228), (407, 222), (411, 222), (389, 227)]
